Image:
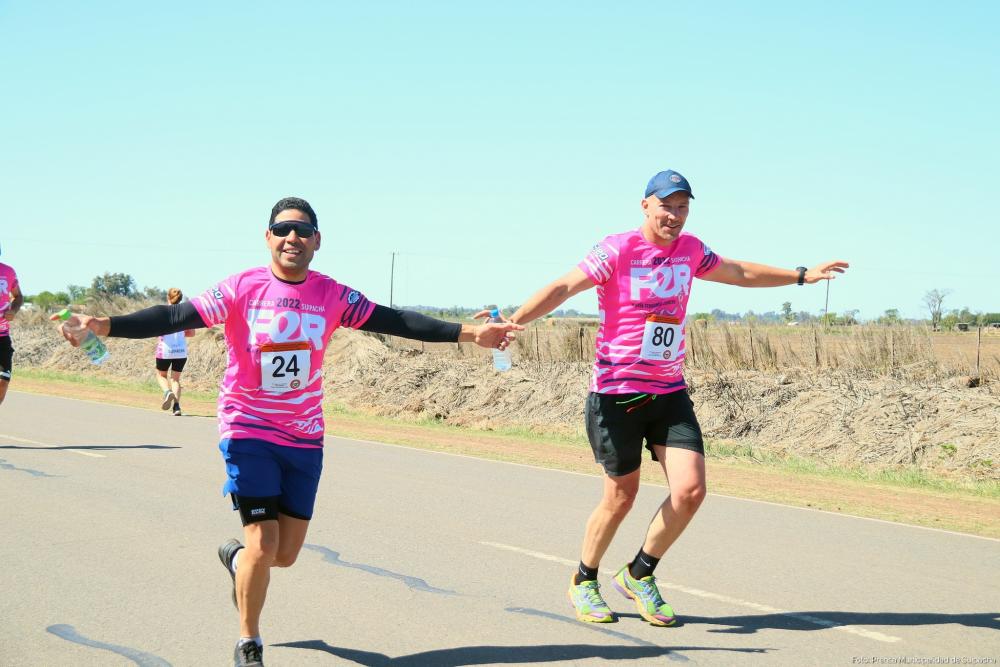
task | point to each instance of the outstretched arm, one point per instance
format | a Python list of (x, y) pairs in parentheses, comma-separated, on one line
[(550, 297), (155, 321), (410, 324), (748, 274)]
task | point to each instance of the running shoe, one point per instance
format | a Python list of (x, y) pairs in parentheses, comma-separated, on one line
[(226, 553), (646, 596), (248, 654), (586, 599), (168, 400), (177, 409)]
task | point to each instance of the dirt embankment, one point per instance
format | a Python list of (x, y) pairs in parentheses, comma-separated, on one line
[(939, 425)]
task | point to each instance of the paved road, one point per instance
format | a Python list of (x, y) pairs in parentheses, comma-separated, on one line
[(111, 517)]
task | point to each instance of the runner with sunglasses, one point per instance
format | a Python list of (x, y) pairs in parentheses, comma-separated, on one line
[(638, 395), (278, 321)]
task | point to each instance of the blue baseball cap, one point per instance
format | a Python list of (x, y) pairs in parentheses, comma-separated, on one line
[(667, 183)]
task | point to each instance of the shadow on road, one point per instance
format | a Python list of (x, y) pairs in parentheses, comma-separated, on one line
[(486, 655), (745, 625), (97, 447)]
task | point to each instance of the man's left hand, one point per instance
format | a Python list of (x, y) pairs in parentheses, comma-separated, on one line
[(825, 271)]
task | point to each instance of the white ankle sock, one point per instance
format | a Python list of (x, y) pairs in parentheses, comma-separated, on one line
[(236, 557)]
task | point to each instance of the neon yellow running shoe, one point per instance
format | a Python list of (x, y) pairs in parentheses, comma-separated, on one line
[(646, 596), (586, 599)]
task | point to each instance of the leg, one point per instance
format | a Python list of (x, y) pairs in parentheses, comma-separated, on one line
[(619, 494), (292, 535), (161, 379), (175, 385), (253, 575), (685, 473), (3, 388)]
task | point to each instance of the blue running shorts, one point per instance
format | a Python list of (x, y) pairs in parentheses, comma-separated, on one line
[(260, 469)]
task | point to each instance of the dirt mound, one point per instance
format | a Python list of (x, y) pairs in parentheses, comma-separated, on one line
[(830, 416)]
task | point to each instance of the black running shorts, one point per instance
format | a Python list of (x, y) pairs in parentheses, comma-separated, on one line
[(6, 357), (176, 365), (617, 425)]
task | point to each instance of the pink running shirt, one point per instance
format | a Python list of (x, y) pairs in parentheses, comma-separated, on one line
[(8, 281), (276, 334), (642, 295)]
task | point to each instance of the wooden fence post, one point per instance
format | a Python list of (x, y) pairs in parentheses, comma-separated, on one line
[(979, 344), (816, 345)]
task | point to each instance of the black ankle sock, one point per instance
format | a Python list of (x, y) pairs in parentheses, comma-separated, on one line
[(643, 565), (584, 573)]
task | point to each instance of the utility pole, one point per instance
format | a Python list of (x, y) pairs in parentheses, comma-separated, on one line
[(826, 306), (392, 278)]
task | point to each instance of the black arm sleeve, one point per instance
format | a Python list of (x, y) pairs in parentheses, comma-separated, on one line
[(408, 324), (156, 321)]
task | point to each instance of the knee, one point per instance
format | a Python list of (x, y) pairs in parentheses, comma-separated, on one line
[(688, 499), (263, 552), (619, 503), (285, 559)]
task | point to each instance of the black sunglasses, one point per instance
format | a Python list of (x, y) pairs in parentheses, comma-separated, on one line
[(302, 229)]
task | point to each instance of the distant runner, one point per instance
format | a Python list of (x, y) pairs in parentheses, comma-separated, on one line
[(11, 301), (278, 320), (171, 356), (637, 394)]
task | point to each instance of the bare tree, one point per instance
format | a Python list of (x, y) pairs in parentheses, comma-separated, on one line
[(934, 300)]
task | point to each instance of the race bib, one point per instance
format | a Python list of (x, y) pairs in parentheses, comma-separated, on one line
[(284, 366), (662, 337)]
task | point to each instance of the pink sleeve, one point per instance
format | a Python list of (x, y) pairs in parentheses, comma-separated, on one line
[(708, 261), (600, 262), (353, 307), (215, 303)]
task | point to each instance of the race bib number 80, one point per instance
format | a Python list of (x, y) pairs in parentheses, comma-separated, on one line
[(284, 366), (662, 337)]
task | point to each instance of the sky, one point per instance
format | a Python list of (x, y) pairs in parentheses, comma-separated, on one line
[(484, 148)]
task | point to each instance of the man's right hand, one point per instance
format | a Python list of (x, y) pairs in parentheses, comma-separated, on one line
[(76, 327)]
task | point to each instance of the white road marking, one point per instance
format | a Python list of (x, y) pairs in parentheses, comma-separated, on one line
[(44, 444), (822, 622)]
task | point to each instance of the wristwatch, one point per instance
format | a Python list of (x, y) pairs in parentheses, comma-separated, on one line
[(802, 275)]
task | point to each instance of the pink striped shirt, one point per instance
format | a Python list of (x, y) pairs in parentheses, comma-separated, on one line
[(642, 296), (8, 281), (276, 335)]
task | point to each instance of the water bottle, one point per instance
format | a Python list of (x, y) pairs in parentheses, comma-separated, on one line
[(92, 345), (501, 358)]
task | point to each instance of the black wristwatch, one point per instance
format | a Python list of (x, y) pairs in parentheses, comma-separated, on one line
[(802, 275)]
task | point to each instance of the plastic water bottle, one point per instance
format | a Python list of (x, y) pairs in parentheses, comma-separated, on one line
[(501, 358), (92, 345)]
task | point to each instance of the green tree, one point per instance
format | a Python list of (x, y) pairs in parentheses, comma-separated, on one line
[(113, 284), (786, 311), (46, 301), (155, 293), (77, 293), (891, 316)]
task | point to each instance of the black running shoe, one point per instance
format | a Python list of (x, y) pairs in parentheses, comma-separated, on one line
[(249, 654), (226, 552)]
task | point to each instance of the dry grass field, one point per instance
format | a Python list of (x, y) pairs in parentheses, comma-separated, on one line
[(883, 399), (868, 350)]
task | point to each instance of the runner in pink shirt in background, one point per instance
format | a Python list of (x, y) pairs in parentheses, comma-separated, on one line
[(11, 300), (637, 392), (278, 320)]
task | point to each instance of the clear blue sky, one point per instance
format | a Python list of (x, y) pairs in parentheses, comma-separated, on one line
[(492, 145)]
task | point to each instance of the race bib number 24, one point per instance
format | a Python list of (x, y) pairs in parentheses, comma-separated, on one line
[(284, 366), (662, 337)]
